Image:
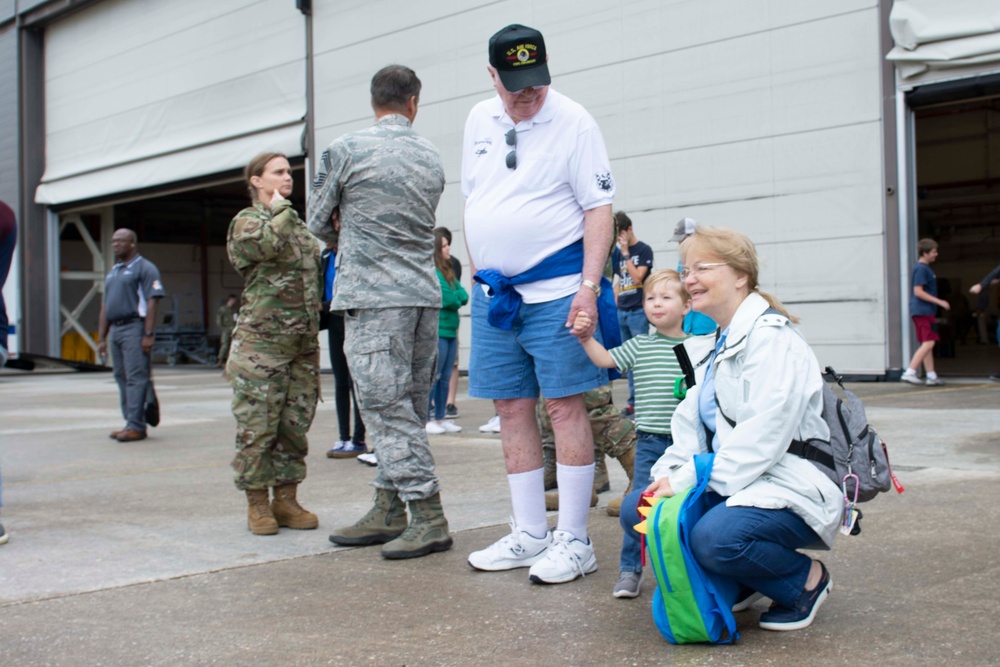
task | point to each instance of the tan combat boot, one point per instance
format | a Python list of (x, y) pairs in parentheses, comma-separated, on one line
[(627, 460), (427, 532), (385, 521), (260, 521), (287, 511), (552, 500)]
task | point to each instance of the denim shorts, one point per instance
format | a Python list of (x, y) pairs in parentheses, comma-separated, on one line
[(539, 354)]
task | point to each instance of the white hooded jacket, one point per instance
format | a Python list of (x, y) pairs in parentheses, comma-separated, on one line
[(768, 382)]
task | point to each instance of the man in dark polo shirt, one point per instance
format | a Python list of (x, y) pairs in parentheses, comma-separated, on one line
[(632, 260), (131, 291)]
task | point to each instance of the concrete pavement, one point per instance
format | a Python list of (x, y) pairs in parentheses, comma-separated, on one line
[(139, 554)]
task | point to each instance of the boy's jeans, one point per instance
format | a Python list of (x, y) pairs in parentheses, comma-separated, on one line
[(648, 448)]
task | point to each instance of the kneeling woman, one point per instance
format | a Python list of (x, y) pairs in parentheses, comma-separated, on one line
[(274, 361), (761, 390)]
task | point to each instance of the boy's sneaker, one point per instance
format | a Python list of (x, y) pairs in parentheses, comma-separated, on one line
[(565, 560), (348, 451), (802, 615), (628, 585), (450, 427), (519, 549), (492, 426), (628, 411), (368, 459), (3, 535), (433, 428), (935, 382), (451, 411), (912, 378)]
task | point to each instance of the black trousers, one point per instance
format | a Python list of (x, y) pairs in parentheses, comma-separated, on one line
[(343, 386)]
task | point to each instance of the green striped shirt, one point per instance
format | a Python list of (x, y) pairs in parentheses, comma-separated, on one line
[(654, 369)]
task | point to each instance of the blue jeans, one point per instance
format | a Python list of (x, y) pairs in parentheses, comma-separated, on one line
[(447, 348), (754, 547), (632, 323), (648, 448)]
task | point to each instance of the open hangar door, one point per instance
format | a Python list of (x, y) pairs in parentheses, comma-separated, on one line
[(182, 231), (957, 159)]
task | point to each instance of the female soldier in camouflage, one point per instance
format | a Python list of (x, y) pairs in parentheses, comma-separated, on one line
[(274, 360)]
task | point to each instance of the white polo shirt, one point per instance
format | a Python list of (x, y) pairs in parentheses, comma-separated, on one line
[(514, 218)]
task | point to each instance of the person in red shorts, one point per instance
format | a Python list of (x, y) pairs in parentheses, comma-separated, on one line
[(924, 303)]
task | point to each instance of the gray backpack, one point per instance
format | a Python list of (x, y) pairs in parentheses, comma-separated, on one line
[(855, 458)]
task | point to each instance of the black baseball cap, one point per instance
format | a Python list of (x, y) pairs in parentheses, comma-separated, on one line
[(518, 54)]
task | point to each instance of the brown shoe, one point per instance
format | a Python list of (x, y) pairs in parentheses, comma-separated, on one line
[(260, 521), (130, 435), (287, 512), (114, 434)]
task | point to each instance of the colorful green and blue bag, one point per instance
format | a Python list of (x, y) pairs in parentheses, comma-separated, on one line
[(689, 605)]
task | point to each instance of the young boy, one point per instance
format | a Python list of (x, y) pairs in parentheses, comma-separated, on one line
[(655, 368), (924, 303)]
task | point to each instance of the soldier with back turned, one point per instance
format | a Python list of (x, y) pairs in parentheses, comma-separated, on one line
[(375, 195)]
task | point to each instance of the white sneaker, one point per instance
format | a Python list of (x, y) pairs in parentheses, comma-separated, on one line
[(492, 426), (450, 427), (433, 428), (368, 459), (567, 559), (519, 549), (935, 382), (912, 379)]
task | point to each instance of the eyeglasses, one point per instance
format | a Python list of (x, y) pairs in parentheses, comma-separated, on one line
[(511, 138), (521, 90), (699, 269)]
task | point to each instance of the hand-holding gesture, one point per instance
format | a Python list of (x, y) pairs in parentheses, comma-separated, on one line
[(584, 306)]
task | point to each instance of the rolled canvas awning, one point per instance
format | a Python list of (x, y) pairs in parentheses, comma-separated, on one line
[(143, 94), (941, 38)]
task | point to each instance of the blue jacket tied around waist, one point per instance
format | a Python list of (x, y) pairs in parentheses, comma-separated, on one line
[(507, 301)]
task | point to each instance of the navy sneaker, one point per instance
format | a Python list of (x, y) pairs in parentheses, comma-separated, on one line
[(450, 411), (802, 615), (348, 451)]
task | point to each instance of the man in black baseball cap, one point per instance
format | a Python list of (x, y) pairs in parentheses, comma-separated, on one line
[(538, 192), (518, 54)]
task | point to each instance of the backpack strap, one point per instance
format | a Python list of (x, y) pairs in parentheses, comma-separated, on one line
[(800, 448), (811, 453)]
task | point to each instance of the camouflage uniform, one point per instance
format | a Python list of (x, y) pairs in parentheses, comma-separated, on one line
[(386, 181), (614, 435), (274, 361), (224, 318)]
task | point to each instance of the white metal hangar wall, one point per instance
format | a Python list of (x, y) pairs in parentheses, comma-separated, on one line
[(143, 99), (142, 94), (763, 115)]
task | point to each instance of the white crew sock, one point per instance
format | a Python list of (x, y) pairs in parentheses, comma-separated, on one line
[(576, 483), (910, 371), (527, 497), (931, 375)]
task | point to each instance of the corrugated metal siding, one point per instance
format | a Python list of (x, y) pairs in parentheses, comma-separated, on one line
[(763, 115)]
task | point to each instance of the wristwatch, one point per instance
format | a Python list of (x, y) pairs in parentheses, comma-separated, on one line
[(148, 333), (589, 284)]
